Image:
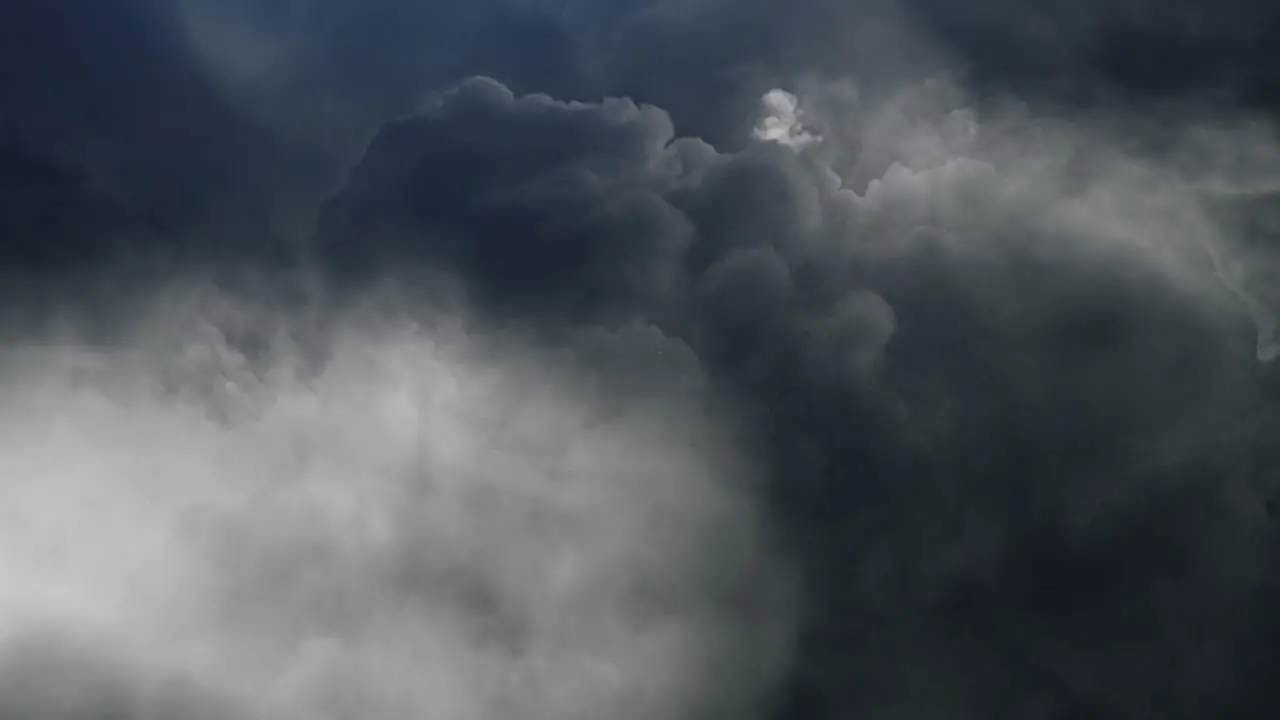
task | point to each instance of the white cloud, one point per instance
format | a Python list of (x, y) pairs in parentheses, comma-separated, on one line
[(781, 121), (420, 529)]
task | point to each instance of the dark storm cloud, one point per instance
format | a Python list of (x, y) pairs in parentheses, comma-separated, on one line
[(565, 176), (998, 365), (226, 118), (991, 384)]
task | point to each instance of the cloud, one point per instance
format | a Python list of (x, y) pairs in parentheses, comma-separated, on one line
[(428, 522), (971, 325), (244, 115), (987, 355), (781, 120)]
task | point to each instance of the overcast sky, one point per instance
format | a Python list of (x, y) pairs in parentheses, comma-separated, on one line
[(639, 359)]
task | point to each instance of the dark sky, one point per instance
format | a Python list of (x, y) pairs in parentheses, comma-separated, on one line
[(676, 359)]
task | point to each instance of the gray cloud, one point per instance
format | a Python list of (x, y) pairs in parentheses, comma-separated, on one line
[(963, 304), (43, 674), (990, 355)]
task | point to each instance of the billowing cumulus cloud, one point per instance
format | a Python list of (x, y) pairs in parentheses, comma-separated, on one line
[(991, 356), (658, 358)]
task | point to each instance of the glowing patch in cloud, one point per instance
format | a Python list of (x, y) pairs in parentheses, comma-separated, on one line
[(780, 121)]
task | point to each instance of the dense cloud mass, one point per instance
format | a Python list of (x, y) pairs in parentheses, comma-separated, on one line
[(995, 383), (652, 358), (420, 528)]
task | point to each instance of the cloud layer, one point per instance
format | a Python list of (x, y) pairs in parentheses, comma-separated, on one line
[(655, 358)]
